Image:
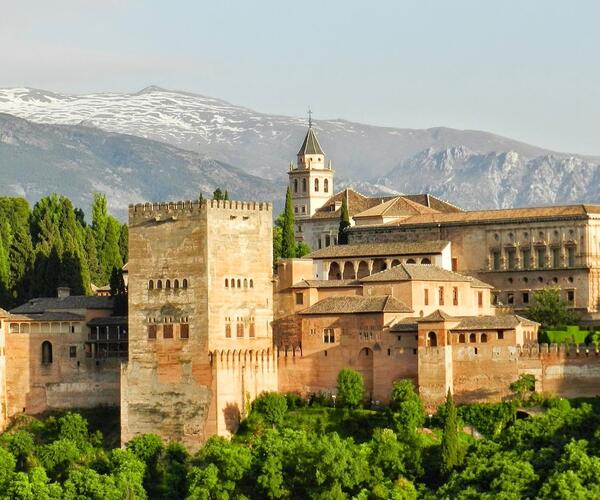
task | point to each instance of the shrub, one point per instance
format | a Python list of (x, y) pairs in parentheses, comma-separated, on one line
[(350, 388), (294, 401), (272, 406)]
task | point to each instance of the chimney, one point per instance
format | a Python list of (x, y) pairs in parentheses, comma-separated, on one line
[(63, 291)]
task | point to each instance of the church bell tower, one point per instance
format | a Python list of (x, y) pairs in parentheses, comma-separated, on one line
[(311, 179)]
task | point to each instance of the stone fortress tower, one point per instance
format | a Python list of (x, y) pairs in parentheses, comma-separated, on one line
[(311, 179), (200, 313)]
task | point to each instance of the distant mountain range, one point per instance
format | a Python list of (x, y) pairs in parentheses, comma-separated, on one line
[(178, 143), (36, 160)]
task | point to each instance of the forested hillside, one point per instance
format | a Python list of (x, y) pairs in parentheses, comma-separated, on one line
[(52, 245), (319, 448)]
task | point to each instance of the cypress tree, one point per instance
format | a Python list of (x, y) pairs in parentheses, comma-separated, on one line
[(124, 243), (344, 223), (288, 241), (450, 445), (226, 195), (99, 223), (111, 254), (92, 256), (5, 296)]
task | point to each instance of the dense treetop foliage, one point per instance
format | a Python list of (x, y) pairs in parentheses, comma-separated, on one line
[(289, 447), (550, 310), (51, 245)]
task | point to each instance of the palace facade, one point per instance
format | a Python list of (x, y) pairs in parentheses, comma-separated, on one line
[(424, 291)]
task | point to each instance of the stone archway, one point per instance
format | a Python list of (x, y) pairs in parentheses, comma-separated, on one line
[(334, 271), (379, 265), (363, 270), (348, 273), (395, 262)]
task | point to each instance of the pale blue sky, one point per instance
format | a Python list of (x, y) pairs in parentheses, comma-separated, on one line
[(526, 69)]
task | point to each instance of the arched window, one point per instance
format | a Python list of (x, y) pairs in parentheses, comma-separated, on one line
[(159, 284), (251, 332), (410, 261), (483, 337), (316, 184), (395, 263), (425, 261), (251, 283), (295, 185), (185, 283), (176, 284), (151, 285), (240, 329), (472, 338), (226, 283), (46, 353), (304, 185), (326, 185), (431, 339), (239, 283), (227, 330), (232, 283), (461, 338), (168, 284), (245, 283)]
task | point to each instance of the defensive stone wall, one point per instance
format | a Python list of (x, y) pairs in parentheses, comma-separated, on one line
[(567, 370)]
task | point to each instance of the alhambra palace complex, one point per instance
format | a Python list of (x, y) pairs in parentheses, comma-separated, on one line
[(424, 290)]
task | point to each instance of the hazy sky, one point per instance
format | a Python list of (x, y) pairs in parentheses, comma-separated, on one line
[(527, 69)]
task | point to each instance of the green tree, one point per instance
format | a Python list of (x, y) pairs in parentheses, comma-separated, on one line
[(344, 223), (124, 243), (450, 445), (288, 240), (118, 291), (218, 194), (272, 406), (524, 385), (218, 469), (409, 412), (550, 310), (149, 449), (99, 223), (302, 249), (350, 388)]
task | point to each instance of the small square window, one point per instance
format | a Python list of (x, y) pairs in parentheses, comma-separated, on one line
[(299, 298), (72, 351), (500, 335)]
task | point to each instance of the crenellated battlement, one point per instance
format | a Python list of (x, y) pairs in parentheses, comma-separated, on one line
[(559, 350), (172, 209), (267, 358)]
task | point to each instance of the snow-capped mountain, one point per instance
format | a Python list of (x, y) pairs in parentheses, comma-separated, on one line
[(206, 137), (259, 143), (497, 180), (74, 160)]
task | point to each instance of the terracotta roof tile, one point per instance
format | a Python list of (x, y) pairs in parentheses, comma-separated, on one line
[(437, 315), (379, 249), (500, 321), (416, 272), (326, 284), (356, 305), (44, 304), (508, 214), (396, 207)]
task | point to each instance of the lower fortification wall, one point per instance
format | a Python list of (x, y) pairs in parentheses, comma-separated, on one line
[(565, 370)]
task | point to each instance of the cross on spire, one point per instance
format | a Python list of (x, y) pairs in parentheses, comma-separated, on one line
[(309, 118)]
